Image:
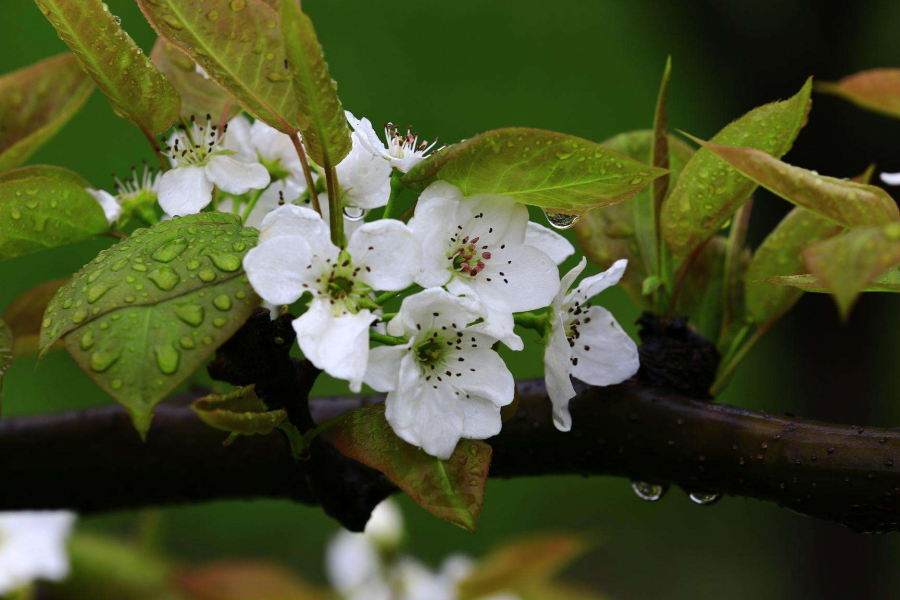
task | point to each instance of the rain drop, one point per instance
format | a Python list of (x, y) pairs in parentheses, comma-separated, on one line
[(354, 213), (165, 278), (190, 314), (651, 492), (170, 250), (703, 498), (222, 302), (561, 220), (226, 262), (167, 358), (206, 275), (102, 360)]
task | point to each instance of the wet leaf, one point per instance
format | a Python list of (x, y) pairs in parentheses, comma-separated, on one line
[(199, 96), (809, 283), (47, 172), (850, 262), (231, 580), (6, 350), (523, 564), (610, 234), (326, 135), (877, 90), (452, 490), (842, 201), (25, 313), (35, 102), (135, 88), (238, 43), (710, 191), (240, 411), (143, 315), (560, 173), (38, 213)]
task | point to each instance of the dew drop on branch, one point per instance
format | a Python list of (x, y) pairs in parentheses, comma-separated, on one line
[(651, 492), (703, 498)]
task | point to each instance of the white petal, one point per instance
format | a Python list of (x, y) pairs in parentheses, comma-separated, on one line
[(365, 179), (442, 190), (482, 418), (236, 176), (433, 309), (557, 362), (891, 178), (387, 253), (566, 282), (367, 136), (351, 561), (336, 341), (297, 221), (518, 278), (497, 324), (277, 269), (554, 245), (405, 164), (237, 138), (111, 207), (274, 146), (383, 371), (593, 285), (606, 354), (482, 373), (269, 200), (385, 525), (434, 416), (495, 220), (184, 191), (33, 547)]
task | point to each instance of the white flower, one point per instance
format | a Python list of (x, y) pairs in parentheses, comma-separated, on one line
[(258, 142), (476, 246), (364, 178), (385, 526), (401, 151), (32, 547), (585, 341), (279, 193), (445, 383), (554, 245), (891, 178), (200, 163), (295, 256), (111, 207), (201, 71)]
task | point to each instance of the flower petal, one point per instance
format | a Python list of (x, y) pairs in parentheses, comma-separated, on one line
[(351, 561), (365, 179), (554, 245), (566, 282), (557, 361), (591, 286), (432, 309), (494, 219), (237, 138), (277, 269), (236, 176), (518, 278), (605, 354), (891, 178), (336, 340), (383, 370), (387, 253), (274, 146), (425, 415), (297, 221), (367, 136), (111, 207), (482, 373), (34, 547), (184, 191), (497, 324), (482, 418)]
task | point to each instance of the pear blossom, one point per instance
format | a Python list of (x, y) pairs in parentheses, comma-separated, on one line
[(201, 162), (585, 341), (110, 205), (551, 243), (32, 547), (445, 383), (476, 247), (399, 150), (364, 178), (295, 256), (891, 178), (258, 142)]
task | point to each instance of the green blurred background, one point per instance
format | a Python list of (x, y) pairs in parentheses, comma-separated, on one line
[(590, 68)]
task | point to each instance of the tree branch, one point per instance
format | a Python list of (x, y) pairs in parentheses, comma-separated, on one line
[(93, 461)]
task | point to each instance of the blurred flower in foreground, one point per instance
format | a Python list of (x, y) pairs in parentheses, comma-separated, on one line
[(32, 547)]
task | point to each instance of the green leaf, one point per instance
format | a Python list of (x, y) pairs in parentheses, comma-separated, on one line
[(143, 315), (560, 173), (809, 283), (240, 411), (326, 135), (452, 490), (848, 263), (47, 172), (842, 201), (232, 580), (199, 96), (35, 102), (710, 191), (660, 148), (876, 90), (610, 234), (6, 350), (25, 313), (136, 89), (238, 43), (781, 254), (38, 213), (523, 564)]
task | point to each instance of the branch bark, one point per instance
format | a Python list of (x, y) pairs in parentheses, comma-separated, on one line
[(93, 461)]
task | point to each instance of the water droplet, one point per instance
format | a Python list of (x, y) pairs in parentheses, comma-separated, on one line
[(222, 302), (561, 220), (79, 316), (96, 292), (172, 21), (219, 321), (15, 214), (116, 384), (651, 492), (703, 498), (206, 275), (226, 262), (186, 342), (213, 15), (101, 360), (167, 358), (238, 5), (165, 278), (119, 265), (46, 322), (117, 19), (190, 314), (87, 340), (170, 250), (354, 213), (139, 267)]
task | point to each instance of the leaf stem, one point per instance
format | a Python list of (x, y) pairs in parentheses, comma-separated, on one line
[(387, 340), (251, 204), (682, 275), (396, 188), (728, 368), (335, 211), (307, 172), (388, 296), (736, 237), (529, 320)]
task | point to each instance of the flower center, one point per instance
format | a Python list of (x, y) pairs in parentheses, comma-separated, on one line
[(195, 144), (404, 146), (468, 258), (340, 287), (429, 353)]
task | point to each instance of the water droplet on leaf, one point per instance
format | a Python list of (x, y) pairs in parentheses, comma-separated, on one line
[(561, 220)]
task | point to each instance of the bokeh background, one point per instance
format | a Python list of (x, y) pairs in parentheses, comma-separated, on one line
[(589, 68)]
